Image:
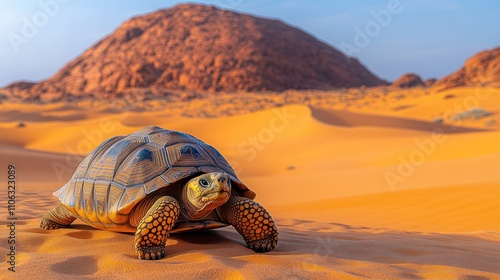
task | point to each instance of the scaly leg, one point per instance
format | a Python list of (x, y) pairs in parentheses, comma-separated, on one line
[(154, 228), (57, 217), (252, 221)]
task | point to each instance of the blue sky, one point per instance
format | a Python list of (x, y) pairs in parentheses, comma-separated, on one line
[(430, 38)]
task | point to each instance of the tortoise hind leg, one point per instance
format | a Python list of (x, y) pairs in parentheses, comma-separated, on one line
[(252, 221), (154, 228), (57, 217)]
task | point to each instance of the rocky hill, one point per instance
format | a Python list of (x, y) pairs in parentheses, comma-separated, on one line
[(407, 81), (430, 82), (199, 47), (483, 69)]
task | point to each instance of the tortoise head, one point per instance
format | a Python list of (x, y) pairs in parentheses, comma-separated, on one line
[(204, 193)]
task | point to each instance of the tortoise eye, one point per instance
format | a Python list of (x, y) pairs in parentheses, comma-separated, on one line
[(204, 183)]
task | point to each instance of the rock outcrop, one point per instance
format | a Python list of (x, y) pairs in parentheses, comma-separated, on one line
[(408, 81), (483, 69), (199, 47)]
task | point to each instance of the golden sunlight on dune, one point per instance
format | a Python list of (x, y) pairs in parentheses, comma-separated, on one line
[(402, 187)]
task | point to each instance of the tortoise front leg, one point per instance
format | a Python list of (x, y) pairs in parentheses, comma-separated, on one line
[(154, 228), (252, 221)]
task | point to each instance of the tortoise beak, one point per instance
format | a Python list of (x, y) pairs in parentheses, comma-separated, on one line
[(216, 196), (220, 188), (221, 183)]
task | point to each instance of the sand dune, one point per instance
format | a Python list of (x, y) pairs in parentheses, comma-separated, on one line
[(321, 171), (38, 169), (469, 208), (307, 249), (350, 119)]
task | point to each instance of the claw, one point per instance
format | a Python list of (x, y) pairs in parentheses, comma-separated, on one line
[(151, 253), (263, 245), (49, 225)]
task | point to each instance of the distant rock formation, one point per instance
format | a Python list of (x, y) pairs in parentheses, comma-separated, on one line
[(430, 82), (483, 69), (199, 47), (22, 85), (408, 80)]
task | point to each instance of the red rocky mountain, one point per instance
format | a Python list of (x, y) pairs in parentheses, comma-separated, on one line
[(408, 80), (483, 69), (199, 47)]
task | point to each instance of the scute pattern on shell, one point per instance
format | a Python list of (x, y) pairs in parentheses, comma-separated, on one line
[(123, 170)]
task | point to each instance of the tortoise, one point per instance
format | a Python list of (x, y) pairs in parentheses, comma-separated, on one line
[(155, 182)]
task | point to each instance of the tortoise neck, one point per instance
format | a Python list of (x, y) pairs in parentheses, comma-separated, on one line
[(190, 209)]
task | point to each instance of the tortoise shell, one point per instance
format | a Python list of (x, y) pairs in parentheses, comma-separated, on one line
[(123, 170)]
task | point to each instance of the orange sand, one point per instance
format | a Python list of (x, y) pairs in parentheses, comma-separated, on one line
[(321, 170)]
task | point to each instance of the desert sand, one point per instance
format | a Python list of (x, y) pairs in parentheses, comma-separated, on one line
[(377, 183)]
